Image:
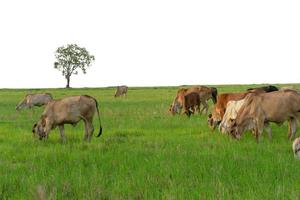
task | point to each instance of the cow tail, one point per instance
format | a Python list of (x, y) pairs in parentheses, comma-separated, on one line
[(100, 131)]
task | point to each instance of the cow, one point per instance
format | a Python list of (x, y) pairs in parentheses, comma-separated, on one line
[(205, 93), (218, 111), (191, 101), (231, 113), (269, 88), (69, 110), (261, 109), (121, 90), (176, 106), (31, 100)]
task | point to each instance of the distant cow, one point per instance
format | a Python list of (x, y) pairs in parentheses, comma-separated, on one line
[(121, 90), (69, 110), (260, 109), (31, 100), (267, 89), (205, 93)]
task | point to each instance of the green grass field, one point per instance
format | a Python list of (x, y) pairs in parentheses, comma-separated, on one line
[(143, 153)]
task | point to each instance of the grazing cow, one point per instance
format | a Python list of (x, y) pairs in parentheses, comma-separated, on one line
[(176, 106), (231, 113), (191, 101), (69, 110), (260, 109), (267, 89), (121, 90), (219, 109), (31, 100), (296, 148), (205, 93)]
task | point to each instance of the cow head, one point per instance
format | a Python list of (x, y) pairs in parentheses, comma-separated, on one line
[(38, 128), (237, 127), (214, 119), (171, 110), (21, 105), (175, 108), (234, 129)]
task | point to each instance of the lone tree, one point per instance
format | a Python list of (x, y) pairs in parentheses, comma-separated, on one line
[(70, 59)]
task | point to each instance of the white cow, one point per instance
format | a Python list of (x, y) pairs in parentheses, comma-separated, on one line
[(232, 109)]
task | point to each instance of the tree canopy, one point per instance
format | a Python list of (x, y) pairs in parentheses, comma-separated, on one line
[(70, 59)]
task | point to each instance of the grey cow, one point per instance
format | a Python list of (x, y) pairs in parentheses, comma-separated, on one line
[(31, 100), (121, 90)]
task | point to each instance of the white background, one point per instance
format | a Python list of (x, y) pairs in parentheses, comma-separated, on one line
[(147, 43)]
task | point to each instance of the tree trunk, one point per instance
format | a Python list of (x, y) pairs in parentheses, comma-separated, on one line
[(68, 82)]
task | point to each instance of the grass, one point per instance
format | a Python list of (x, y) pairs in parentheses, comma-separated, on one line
[(144, 153)]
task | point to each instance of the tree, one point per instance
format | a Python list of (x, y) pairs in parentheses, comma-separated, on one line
[(70, 59)]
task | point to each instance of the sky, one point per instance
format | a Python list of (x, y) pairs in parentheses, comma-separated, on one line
[(151, 43)]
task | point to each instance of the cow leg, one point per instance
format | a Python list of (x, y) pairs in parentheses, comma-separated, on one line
[(292, 128), (187, 112), (197, 106), (268, 130), (86, 129), (205, 106), (258, 130), (91, 130), (62, 132)]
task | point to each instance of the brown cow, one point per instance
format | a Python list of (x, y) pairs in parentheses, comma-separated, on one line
[(191, 101), (69, 110), (205, 93), (260, 109)]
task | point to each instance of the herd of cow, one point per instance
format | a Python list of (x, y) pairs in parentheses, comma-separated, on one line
[(253, 110), (232, 113)]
